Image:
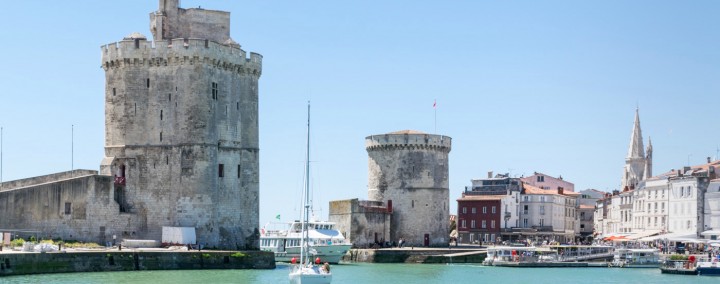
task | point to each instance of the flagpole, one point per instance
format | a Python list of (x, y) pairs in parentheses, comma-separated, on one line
[(435, 109), (72, 147)]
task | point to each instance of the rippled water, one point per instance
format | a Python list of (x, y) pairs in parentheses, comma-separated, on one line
[(380, 273)]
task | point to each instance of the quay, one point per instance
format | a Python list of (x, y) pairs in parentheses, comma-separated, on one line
[(99, 260), (417, 255)]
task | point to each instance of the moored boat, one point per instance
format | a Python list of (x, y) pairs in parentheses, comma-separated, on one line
[(636, 258), (285, 240)]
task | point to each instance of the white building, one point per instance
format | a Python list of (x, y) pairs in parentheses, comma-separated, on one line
[(551, 212)]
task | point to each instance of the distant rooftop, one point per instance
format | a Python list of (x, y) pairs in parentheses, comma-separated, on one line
[(407, 132)]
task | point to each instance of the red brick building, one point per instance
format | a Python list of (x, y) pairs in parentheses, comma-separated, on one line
[(479, 218)]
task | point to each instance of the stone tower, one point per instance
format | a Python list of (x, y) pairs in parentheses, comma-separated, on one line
[(181, 135), (408, 170), (636, 163)]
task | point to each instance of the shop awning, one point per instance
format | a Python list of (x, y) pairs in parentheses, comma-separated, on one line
[(673, 237), (643, 234)]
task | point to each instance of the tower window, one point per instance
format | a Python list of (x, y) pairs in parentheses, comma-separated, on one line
[(221, 170), (161, 115), (160, 136), (238, 106), (113, 91), (68, 208), (167, 160), (169, 97), (148, 83), (214, 91), (239, 171)]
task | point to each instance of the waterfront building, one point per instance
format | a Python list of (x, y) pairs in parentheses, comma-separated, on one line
[(550, 213), (650, 205), (480, 218), (712, 210), (544, 181), (493, 189), (181, 143), (584, 225)]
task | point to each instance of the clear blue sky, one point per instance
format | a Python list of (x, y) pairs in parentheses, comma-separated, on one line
[(521, 86)]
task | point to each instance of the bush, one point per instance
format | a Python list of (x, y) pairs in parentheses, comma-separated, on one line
[(17, 242), (678, 257), (238, 255)]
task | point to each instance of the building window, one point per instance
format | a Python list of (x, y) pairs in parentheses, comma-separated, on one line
[(68, 207), (540, 178), (462, 224), (525, 223), (214, 91), (472, 224), (542, 209), (239, 171), (473, 210), (221, 170), (113, 91), (148, 83), (464, 210), (484, 209), (160, 136), (161, 114), (525, 209), (494, 210), (526, 198), (542, 222), (492, 224), (484, 224), (237, 105)]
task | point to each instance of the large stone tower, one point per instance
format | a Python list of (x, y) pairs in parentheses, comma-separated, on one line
[(408, 170), (181, 135), (637, 166)]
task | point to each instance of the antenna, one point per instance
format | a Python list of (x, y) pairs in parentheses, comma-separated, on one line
[(717, 151)]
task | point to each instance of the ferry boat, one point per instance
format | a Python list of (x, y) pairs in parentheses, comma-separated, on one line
[(636, 258), (284, 239), (501, 255)]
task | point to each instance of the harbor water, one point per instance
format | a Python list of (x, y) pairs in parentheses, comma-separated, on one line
[(380, 273)]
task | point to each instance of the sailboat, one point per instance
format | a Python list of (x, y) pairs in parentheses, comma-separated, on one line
[(305, 271)]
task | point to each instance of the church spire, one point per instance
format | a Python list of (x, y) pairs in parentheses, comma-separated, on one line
[(636, 141)]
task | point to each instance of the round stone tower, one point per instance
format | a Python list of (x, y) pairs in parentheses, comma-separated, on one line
[(181, 137), (408, 170)]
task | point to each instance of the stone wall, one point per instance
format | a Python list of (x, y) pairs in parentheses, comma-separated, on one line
[(59, 262), (360, 221), (79, 208)]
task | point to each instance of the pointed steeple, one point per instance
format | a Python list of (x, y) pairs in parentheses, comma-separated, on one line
[(636, 141), (648, 160)]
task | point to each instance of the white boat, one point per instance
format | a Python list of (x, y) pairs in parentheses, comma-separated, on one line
[(306, 271), (284, 240), (636, 258)]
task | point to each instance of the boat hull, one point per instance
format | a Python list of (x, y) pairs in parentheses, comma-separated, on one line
[(708, 269), (311, 275)]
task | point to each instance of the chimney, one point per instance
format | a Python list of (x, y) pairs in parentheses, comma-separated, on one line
[(679, 173), (560, 190), (490, 174), (709, 160), (711, 171)]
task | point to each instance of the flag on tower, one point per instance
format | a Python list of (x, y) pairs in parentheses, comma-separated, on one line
[(435, 104), (277, 217)]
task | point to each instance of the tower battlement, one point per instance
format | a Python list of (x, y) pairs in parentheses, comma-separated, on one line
[(141, 52), (414, 140)]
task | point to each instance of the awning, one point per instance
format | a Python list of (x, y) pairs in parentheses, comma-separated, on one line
[(673, 237), (710, 233), (643, 234)]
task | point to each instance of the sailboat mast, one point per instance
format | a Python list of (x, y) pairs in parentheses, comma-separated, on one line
[(303, 251)]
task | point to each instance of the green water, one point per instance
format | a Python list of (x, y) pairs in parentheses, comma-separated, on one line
[(381, 273)]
